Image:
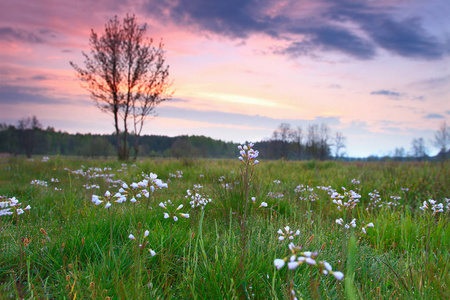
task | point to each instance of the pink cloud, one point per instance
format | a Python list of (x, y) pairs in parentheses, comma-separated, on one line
[(214, 72)]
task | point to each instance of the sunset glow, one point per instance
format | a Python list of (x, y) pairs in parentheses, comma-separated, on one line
[(378, 71)]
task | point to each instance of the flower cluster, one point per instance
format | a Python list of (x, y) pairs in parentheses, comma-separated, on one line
[(287, 234), (39, 182), (197, 199), (394, 201), (328, 189), (263, 204), (340, 221), (275, 195), (248, 154), (300, 257), (301, 188), (6, 207), (134, 191), (123, 167), (347, 226), (375, 200), (227, 186), (307, 193), (367, 226), (179, 174), (339, 199), (153, 182), (356, 183), (97, 200), (142, 242), (173, 214), (91, 186), (433, 206), (93, 172)]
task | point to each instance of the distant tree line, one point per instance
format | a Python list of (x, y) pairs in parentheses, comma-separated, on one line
[(315, 142), (29, 140), (419, 150), (28, 137)]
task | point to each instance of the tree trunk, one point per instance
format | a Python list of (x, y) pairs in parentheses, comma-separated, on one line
[(136, 147), (124, 149), (116, 125)]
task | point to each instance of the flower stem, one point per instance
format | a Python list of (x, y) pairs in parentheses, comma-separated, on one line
[(110, 230)]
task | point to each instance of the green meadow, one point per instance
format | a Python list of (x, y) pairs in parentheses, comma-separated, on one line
[(231, 230)]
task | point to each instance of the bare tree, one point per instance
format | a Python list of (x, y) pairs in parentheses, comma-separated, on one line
[(418, 148), (125, 75), (442, 139), (155, 91), (399, 153), (312, 140), (324, 146), (297, 139), (339, 144), (284, 133), (281, 138), (103, 74)]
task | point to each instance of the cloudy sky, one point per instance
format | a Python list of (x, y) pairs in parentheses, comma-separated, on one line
[(377, 71)]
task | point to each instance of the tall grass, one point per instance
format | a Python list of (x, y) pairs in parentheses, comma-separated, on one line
[(65, 247)]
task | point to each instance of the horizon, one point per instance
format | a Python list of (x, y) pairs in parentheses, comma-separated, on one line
[(377, 71)]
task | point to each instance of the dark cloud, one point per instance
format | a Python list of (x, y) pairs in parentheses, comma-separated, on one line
[(405, 37), (13, 94), (328, 29), (390, 94), (16, 94), (14, 34), (10, 94), (434, 116), (332, 39), (234, 18), (34, 37), (398, 96), (432, 83)]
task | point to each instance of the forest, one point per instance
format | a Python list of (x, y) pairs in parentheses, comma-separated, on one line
[(317, 142)]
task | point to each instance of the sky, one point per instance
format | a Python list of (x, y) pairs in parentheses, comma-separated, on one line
[(377, 71)]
